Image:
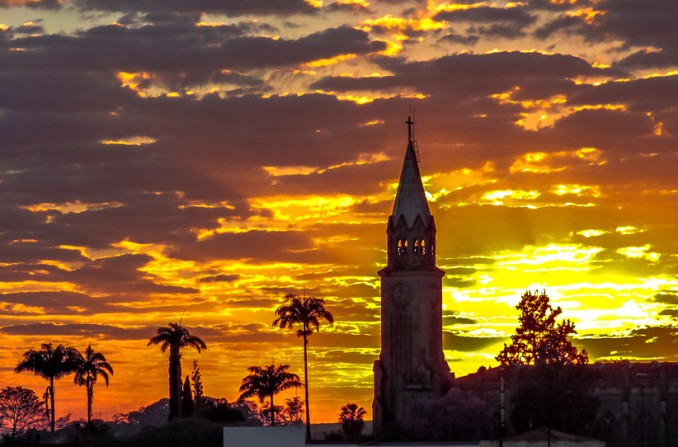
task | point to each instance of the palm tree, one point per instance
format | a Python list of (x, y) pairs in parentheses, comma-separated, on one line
[(266, 381), (89, 368), (49, 363), (175, 337), (308, 312), (352, 421)]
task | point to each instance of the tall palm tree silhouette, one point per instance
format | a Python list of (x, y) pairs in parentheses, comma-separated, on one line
[(266, 381), (88, 369), (49, 363), (175, 337), (308, 312)]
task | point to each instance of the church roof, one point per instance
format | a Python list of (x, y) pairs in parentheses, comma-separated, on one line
[(410, 200)]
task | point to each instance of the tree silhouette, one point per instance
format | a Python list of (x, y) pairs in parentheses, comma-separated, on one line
[(294, 410), (352, 421), (307, 312), (49, 363), (267, 381), (88, 369), (198, 393), (175, 337), (21, 410), (187, 406), (539, 339)]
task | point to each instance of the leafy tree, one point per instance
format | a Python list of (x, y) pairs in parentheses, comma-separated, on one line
[(307, 312), (88, 369), (267, 381), (539, 339), (49, 363), (21, 410), (352, 421), (175, 336), (196, 379), (269, 414), (219, 410), (294, 410), (186, 400)]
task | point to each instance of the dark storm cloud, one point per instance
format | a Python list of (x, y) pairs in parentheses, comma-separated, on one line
[(96, 331), (649, 343), (52, 303), (458, 38), (117, 274), (646, 95), (121, 274), (348, 7), (34, 91), (668, 297), (219, 278), (255, 245), (453, 318), (566, 24), (354, 357), (468, 75), (37, 4), (635, 24), (228, 7), (651, 22), (550, 5), (203, 52), (454, 341), (28, 28), (502, 22), (498, 30)]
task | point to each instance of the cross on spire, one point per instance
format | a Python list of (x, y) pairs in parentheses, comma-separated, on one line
[(409, 123)]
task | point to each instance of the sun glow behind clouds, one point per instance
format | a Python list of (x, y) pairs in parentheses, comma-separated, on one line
[(552, 176)]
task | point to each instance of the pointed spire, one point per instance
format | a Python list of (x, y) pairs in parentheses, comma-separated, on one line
[(410, 199)]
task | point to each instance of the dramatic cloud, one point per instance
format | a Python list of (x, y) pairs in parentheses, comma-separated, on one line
[(196, 161)]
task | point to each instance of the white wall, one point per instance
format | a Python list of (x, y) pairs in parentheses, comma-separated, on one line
[(288, 436)]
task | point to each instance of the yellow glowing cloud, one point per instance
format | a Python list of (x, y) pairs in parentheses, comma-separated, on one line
[(282, 171), (358, 99), (578, 190), (449, 7), (133, 80), (501, 197), (628, 229), (397, 29), (592, 233), (373, 123), (545, 162), (642, 252), (389, 22), (361, 3), (552, 257), (331, 61), (587, 14), (138, 140), (307, 209), (71, 207)]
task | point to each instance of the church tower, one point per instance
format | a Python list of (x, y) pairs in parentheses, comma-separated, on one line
[(411, 364)]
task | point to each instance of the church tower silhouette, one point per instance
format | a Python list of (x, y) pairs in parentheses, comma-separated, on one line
[(411, 364)]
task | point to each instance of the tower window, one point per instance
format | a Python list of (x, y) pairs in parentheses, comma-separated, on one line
[(423, 247), (402, 246), (416, 246)]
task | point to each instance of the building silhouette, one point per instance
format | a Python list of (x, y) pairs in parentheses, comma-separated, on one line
[(411, 364)]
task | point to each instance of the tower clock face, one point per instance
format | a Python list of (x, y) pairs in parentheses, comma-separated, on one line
[(401, 294)]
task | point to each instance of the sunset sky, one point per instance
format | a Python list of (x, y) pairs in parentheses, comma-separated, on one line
[(203, 158)]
